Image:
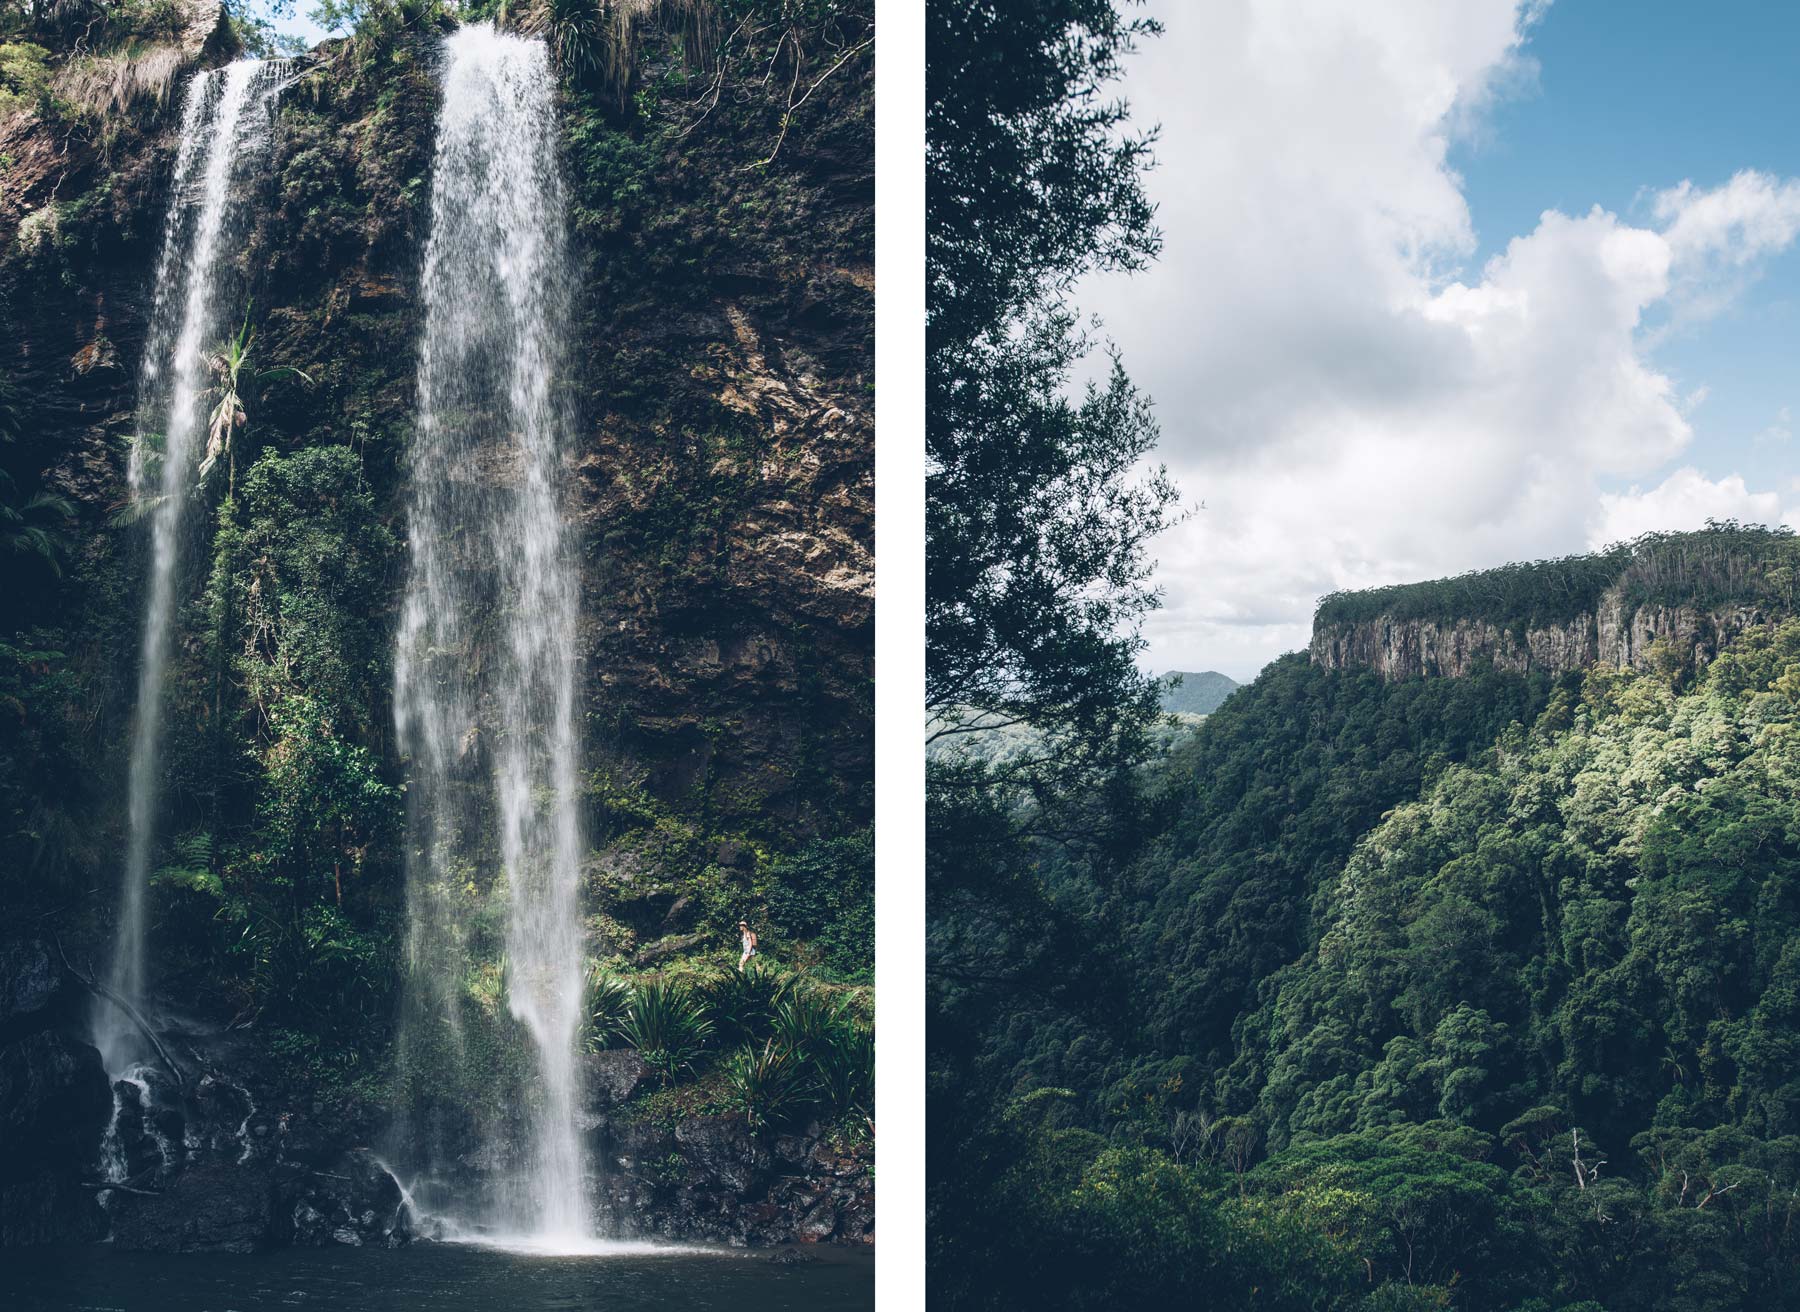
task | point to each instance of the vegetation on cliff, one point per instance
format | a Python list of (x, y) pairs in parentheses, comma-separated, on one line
[(1725, 563)]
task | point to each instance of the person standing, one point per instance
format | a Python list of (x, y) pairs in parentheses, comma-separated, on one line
[(747, 938)]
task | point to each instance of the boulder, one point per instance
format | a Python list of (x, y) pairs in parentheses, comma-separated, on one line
[(668, 947), (48, 1206), (210, 1208), (721, 1154), (614, 1077), (357, 1201), (54, 1103), (32, 992)]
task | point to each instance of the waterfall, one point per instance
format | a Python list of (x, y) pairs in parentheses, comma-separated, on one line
[(225, 120), (485, 667)]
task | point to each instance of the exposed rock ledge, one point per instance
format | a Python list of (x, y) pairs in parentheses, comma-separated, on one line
[(1617, 635)]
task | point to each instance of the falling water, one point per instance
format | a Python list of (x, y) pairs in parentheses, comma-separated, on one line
[(225, 120), (485, 670)]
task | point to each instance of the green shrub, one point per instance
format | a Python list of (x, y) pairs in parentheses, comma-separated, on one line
[(826, 893), (743, 1004), (24, 77), (668, 1027), (844, 1065), (772, 1085), (804, 1019), (608, 1007)]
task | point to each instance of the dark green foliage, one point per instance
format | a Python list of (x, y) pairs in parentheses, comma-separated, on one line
[(575, 32), (608, 1008), (43, 778), (1724, 563), (33, 529), (297, 561), (668, 1026), (816, 1054), (743, 1003), (1272, 795), (323, 799), (843, 1061), (1487, 984), (774, 1085), (826, 893)]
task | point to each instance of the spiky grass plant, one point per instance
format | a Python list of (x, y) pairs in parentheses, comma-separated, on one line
[(844, 1065), (608, 1006), (668, 1026), (803, 1018), (772, 1085), (743, 1003)]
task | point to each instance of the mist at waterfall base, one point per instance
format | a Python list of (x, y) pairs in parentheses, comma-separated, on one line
[(439, 1277), (484, 672)]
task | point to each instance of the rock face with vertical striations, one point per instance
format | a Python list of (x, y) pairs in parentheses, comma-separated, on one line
[(1640, 609)]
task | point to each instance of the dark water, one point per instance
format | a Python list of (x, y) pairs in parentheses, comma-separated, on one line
[(441, 1277)]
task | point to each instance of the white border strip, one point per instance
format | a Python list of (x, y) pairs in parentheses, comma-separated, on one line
[(900, 653)]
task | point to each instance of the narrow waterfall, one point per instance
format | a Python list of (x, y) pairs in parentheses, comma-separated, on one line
[(485, 668), (225, 120)]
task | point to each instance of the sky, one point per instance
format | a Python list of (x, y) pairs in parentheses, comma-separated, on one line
[(293, 18), (1449, 285)]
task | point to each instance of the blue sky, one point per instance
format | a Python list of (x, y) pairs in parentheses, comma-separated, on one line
[(1630, 97), (1446, 285), (298, 23)]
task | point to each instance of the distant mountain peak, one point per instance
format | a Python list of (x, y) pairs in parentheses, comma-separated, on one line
[(1187, 693)]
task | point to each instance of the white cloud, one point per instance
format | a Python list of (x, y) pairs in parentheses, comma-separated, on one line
[(1685, 499), (1778, 432), (1354, 406), (1750, 217)]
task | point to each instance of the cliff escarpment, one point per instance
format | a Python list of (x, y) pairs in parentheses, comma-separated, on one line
[(1667, 600)]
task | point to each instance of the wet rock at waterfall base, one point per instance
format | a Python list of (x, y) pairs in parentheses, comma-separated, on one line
[(54, 1104), (211, 1208), (614, 1077), (710, 1179), (355, 1202), (54, 1100)]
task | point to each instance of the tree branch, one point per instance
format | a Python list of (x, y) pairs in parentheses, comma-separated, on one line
[(132, 1014)]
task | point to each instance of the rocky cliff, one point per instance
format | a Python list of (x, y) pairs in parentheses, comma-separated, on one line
[(721, 205), (1620, 627)]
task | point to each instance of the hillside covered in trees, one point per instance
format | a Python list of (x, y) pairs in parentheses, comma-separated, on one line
[(1474, 992)]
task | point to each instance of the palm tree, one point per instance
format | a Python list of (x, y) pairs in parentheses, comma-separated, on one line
[(230, 366), (145, 450), (33, 529)]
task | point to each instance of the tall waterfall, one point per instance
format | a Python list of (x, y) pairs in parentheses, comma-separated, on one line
[(485, 669), (225, 120)]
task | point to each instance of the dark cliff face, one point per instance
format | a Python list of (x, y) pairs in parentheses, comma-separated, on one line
[(721, 478), (723, 472)]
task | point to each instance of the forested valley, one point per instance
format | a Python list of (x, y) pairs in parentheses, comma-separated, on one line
[(1466, 992)]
